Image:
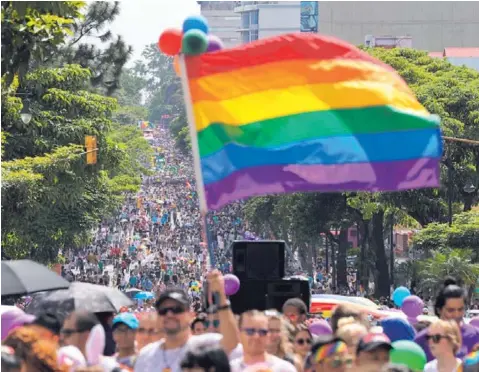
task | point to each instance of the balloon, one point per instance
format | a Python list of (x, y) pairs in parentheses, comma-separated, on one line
[(232, 284), (176, 65), (475, 322), (170, 41), (195, 23), (412, 306), (399, 294), (320, 327), (214, 43), (409, 354), (194, 42)]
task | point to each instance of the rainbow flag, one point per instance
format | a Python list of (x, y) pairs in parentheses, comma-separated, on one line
[(305, 112)]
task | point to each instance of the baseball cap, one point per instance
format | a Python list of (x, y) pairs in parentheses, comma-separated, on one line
[(373, 341), (128, 319), (14, 317), (177, 295)]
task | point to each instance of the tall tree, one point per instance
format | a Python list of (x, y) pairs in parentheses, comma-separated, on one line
[(50, 197), (106, 62), (33, 32)]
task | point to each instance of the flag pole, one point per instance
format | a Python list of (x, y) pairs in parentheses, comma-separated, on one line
[(196, 158)]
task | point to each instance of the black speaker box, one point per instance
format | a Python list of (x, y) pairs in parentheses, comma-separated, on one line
[(269, 294), (258, 260)]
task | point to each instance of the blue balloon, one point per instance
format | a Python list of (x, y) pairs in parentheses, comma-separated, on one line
[(399, 295), (196, 22)]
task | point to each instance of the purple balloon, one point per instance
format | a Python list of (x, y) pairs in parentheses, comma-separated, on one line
[(320, 327), (412, 306), (232, 284), (475, 322), (214, 43)]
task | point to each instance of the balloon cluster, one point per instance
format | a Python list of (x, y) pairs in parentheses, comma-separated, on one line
[(192, 40)]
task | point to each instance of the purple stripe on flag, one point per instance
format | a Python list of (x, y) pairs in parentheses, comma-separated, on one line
[(278, 179)]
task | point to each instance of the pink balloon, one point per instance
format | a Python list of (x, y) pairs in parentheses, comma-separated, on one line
[(320, 327), (412, 306), (232, 284), (475, 322)]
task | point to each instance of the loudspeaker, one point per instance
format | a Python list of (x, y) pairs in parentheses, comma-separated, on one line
[(258, 260), (269, 294)]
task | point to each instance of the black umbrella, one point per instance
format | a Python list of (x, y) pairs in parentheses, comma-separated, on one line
[(79, 296), (20, 277)]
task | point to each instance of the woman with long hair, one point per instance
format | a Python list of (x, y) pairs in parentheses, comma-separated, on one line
[(279, 338)]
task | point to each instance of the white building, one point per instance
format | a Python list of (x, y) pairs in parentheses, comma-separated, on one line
[(262, 19), (223, 21)]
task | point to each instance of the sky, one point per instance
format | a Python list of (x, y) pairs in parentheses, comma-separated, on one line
[(141, 21)]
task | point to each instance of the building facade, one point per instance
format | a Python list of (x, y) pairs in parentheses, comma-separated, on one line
[(262, 19), (223, 21), (432, 26)]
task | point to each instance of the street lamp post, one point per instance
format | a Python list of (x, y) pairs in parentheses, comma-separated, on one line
[(25, 114), (469, 189), (449, 190)]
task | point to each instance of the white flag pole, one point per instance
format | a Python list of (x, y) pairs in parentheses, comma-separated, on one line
[(200, 188), (193, 135)]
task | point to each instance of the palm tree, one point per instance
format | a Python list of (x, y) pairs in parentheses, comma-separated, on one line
[(456, 263)]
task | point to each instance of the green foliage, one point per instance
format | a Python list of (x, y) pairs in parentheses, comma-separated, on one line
[(50, 197), (455, 263), (130, 114), (106, 62), (463, 234), (34, 30)]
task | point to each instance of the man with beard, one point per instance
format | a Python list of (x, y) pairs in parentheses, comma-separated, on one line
[(174, 319)]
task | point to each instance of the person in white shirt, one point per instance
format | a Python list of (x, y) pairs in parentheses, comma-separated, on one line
[(254, 329), (444, 340), (174, 318)]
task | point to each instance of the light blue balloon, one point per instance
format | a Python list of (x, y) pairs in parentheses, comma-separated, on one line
[(399, 295), (196, 22)]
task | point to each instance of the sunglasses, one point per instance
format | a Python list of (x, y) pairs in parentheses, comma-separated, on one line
[(253, 331), (215, 323), (174, 309), (302, 341), (436, 338), (150, 331)]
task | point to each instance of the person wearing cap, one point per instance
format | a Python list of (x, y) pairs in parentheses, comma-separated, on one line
[(328, 354), (174, 319), (12, 318), (372, 353), (125, 326)]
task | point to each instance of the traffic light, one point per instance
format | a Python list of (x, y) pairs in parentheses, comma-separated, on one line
[(91, 149)]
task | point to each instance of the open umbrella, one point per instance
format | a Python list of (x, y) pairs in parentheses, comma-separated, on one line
[(144, 296), (80, 296), (20, 277), (131, 292)]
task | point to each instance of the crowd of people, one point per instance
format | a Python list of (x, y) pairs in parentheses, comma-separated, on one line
[(155, 246), (156, 240), (173, 337)]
